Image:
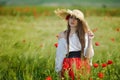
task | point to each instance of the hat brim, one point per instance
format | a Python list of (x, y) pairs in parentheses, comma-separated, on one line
[(63, 13)]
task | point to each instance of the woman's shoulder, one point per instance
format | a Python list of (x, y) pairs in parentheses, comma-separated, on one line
[(62, 34)]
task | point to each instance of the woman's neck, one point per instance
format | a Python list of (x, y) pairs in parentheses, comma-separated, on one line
[(73, 30)]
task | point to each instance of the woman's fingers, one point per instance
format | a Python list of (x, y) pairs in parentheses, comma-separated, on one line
[(90, 35)]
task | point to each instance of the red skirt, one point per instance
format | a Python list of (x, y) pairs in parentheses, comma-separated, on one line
[(74, 68)]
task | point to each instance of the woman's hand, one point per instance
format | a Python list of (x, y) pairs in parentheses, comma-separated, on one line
[(90, 35)]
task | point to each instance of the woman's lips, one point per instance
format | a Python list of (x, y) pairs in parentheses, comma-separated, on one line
[(72, 23)]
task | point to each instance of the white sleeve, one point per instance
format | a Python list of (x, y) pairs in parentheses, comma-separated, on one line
[(60, 55), (86, 45)]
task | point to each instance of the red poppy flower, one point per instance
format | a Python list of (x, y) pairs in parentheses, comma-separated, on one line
[(57, 36), (100, 75), (48, 78), (97, 43), (24, 41), (118, 29), (95, 65), (94, 30), (56, 45), (65, 66), (41, 45), (67, 17), (91, 79), (110, 62), (112, 39), (104, 65)]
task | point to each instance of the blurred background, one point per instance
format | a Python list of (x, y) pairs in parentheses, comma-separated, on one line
[(37, 7), (29, 37), (94, 3)]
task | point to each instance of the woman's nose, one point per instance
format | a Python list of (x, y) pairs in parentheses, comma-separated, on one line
[(73, 20)]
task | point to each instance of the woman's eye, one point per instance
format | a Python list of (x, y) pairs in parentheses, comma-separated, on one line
[(72, 17)]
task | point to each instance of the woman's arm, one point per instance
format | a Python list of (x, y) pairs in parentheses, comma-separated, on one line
[(60, 53), (89, 51), (89, 48)]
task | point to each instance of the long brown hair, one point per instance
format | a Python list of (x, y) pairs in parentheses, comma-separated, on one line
[(80, 31)]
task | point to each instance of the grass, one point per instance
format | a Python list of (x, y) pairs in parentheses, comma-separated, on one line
[(27, 50)]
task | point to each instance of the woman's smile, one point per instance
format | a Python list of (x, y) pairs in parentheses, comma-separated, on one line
[(73, 21)]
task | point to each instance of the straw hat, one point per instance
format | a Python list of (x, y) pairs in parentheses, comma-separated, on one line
[(63, 13)]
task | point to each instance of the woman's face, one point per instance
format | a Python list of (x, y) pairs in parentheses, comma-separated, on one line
[(72, 21)]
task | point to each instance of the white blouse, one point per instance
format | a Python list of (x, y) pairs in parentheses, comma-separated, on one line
[(73, 46)]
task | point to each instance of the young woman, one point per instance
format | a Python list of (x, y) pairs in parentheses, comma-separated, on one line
[(75, 51)]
